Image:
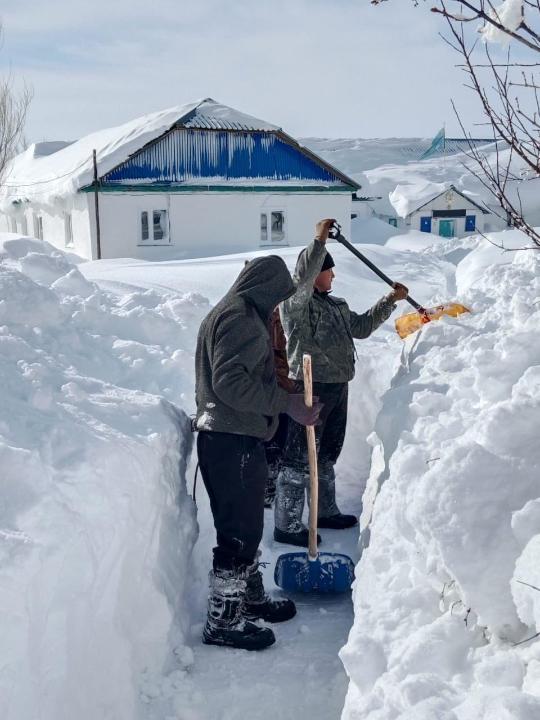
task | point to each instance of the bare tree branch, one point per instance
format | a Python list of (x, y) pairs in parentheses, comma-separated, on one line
[(509, 96), (13, 111)]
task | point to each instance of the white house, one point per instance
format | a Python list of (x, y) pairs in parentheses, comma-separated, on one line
[(446, 212), (194, 180)]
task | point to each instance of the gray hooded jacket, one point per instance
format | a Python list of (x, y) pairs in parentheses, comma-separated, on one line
[(235, 387), (324, 326)]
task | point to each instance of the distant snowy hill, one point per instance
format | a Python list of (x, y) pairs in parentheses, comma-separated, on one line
[(381, 165), (361, 154)]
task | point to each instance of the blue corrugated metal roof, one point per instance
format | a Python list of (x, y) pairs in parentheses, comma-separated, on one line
[(186, 155)]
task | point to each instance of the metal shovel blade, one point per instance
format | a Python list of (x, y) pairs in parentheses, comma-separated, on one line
[(411, 322), (326, 573)]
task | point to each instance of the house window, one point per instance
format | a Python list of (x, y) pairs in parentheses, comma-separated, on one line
[(470, 223), (425, 224), (392, 221), (160, 224), (38, 227), (273, 227), (144, 226), (278, 231), (68, 230), (264, 228), (155, 227)]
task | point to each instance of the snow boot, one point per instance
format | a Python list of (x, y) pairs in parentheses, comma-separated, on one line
[(300, 538), (337, 522), (258, 605), (226, 624)]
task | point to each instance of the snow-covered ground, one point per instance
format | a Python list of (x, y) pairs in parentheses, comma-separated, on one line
[(104, 563)]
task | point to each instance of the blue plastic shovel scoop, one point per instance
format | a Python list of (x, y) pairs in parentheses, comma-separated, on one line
[(312, 571)]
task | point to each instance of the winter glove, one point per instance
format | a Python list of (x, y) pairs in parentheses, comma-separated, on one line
[(399, 292), (300, 412), (322, 229)]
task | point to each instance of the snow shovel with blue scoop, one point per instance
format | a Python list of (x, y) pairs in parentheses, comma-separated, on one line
[(313, 571)]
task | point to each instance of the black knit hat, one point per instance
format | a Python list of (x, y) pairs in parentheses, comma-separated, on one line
[(328, 262)]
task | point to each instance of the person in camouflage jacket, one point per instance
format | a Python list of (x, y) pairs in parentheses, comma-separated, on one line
[(325, 327)]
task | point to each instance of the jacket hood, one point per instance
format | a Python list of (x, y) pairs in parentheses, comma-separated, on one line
[(264, 282)]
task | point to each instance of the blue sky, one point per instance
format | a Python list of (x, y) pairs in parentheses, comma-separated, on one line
[(333, 68)]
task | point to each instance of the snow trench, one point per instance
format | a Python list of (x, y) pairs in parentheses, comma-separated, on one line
[(448, 578)]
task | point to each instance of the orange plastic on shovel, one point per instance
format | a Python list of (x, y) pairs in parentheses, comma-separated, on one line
[(411, 322)]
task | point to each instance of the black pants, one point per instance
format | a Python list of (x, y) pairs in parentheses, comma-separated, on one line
[(274, 447), (234, 471)]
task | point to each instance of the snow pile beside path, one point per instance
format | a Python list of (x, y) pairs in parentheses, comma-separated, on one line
[(96, 527), (455, 532)]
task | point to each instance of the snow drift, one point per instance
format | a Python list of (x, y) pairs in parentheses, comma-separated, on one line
[(96, 528)]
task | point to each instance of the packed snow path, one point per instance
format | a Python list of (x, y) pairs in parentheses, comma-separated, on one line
[(301, 675)]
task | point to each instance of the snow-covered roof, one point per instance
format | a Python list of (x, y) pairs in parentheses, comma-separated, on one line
[(41, 177), (409, 198), (212, 115)]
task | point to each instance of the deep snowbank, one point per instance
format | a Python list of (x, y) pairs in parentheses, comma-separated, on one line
[(454, 533), (96, 527)]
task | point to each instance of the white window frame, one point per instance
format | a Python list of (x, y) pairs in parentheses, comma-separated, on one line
[(151, 241), (269, 242)]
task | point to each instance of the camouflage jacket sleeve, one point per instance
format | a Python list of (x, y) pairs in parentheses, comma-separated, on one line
[(307, 268), (363, 325)]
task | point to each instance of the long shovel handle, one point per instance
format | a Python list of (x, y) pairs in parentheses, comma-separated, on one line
[(312, 457), (339, 237)]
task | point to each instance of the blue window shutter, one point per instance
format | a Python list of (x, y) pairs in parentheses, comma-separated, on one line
[(470, 222), (425, 224)]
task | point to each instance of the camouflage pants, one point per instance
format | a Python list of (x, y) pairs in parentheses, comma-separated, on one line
[(293, 478)]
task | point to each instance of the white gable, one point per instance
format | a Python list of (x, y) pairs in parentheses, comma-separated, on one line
[(409, 199)]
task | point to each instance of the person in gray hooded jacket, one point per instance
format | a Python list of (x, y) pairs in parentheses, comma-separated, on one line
[(323, 326), (238, 404)]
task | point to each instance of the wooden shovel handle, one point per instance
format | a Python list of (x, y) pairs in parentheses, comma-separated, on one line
[(312, 457)]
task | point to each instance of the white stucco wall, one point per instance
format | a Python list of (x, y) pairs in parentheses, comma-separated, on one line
[(24, 219), (201, 224), (212, 223)]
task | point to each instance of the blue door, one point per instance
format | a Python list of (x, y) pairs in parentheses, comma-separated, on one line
[(470, 223), (425, 224)]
